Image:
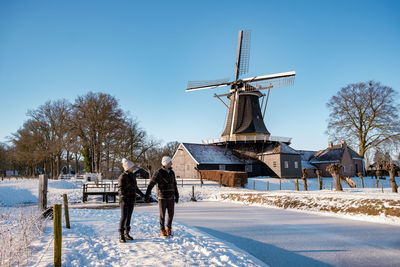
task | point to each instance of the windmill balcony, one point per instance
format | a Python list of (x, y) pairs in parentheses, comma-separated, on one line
[(247, 138)]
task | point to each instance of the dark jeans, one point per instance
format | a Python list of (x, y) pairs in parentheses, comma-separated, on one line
[(166, 204), (126, 213)]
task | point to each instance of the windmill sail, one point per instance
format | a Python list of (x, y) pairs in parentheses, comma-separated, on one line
[(199, 85), (270, 83), (243, 53)]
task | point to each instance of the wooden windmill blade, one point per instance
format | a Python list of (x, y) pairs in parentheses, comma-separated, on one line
[(243, 53), (270, 83), (208, 84), (290, 74)]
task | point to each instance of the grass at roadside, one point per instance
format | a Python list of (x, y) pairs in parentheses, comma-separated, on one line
[(323, 203)]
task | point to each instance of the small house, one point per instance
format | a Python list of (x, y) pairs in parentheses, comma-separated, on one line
[(284, 161), (189, 156), (352, 162)]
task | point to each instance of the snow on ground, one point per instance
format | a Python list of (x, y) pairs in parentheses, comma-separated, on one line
[(93, 241), (25, 191)]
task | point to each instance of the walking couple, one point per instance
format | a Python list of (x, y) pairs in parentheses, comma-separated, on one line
[(167, 194)]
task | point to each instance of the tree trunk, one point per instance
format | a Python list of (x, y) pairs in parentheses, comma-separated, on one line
[(378, 174), (76, 162), (320, 182), (391, 168), (394, 184), (68, 171), (334, 169), (361, 178), (338, 184), (58, 165), (304, 177), (349, 182)]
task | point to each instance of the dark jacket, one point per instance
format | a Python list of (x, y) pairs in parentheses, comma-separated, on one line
[(127, 186), (166, 184)]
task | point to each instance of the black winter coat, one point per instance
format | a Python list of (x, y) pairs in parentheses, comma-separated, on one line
[(166, 184), (127, 186)]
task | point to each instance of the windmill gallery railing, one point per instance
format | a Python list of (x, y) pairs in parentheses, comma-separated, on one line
[(254, 138)]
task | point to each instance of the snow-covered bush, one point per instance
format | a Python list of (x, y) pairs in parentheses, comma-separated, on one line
[(17, 231)]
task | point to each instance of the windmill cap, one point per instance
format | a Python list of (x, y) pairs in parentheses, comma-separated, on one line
[(165, 160)]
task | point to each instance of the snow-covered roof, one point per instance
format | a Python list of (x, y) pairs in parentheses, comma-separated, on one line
[(211, 154), (333, 154), (306, 164), (306, 155), (281, 148)]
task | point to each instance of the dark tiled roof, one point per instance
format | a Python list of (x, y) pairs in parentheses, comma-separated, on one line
[(307, 154), (331, 154), (211, 154), (354, 154)]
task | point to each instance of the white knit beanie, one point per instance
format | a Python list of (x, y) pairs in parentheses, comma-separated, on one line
[(165, 160), (127, 164)]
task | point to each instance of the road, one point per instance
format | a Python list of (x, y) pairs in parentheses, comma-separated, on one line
[(280, 237)]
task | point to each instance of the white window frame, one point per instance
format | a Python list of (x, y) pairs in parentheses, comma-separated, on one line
[(296, 164), (222, 167), (286, 164)]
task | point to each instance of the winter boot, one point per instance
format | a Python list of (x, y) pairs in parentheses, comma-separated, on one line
[(127, 236), (122, 237), (163, 233), (168, 230)]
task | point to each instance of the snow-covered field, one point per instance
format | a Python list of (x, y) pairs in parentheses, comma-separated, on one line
[(92, 238)]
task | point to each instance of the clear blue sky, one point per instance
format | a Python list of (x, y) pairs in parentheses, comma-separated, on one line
[(144, 52)]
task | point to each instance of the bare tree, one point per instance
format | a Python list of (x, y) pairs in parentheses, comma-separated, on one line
[(364, 114), (53, 120), (95, 115)]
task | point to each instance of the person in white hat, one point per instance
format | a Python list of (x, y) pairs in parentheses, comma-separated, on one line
[(167, 193), (127, 190)]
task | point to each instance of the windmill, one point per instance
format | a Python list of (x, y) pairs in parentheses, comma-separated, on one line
[(244, 111)]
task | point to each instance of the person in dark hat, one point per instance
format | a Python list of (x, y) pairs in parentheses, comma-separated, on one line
[(167, 193), (127, 190)]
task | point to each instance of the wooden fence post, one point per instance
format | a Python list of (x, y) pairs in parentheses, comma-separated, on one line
[(57, 234), (297, 184), (193, 198), (254, 185), (66, 211), (182, 182), (382, 186), (267, 185), (42, 192), (220, 180), (280, 184)]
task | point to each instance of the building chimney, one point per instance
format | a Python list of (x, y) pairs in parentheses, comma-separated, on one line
[(330, 144), (344, 145)]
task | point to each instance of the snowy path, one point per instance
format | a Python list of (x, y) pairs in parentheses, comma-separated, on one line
[(286, 238), (93, 241)]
